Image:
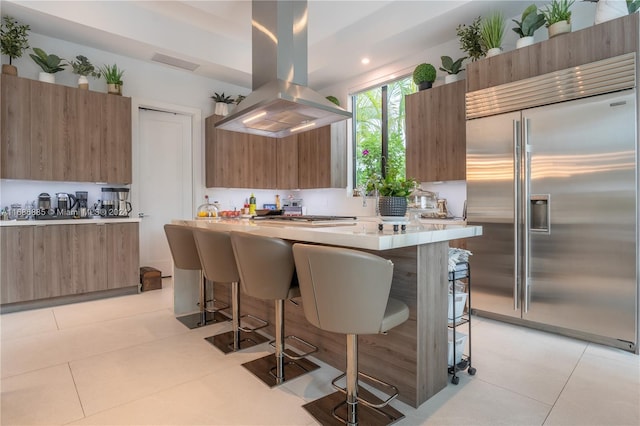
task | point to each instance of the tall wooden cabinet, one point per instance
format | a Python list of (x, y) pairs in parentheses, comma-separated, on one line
[(60, 133), (436, 133), (45, 261), (312, 159)]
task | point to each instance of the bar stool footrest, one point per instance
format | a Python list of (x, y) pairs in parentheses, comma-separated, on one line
[(370, 402), (249, 329), (331, 410), (301, 342), (217, 306)]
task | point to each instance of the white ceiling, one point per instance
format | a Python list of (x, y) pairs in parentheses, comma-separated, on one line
[(217, 34)]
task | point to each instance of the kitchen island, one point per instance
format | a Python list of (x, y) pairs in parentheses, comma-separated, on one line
[(413, 356)]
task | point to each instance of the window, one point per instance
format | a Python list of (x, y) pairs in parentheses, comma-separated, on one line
[(379, 131)]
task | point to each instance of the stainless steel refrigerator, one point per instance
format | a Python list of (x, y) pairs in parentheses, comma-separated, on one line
[(555, 188)]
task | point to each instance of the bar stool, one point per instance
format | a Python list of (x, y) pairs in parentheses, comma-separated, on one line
[(347, 291), (267, 272), (219, 265), (185, 256)]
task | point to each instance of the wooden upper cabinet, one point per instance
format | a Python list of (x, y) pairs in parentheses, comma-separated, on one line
[(115, 155), (48, 153), (602, 41), (436, 133), (287, 162), (15, 153), (238, 160), (313, 159), (89, 133), (55, 132)]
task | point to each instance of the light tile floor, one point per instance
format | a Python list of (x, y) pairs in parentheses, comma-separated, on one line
[(127, 361)]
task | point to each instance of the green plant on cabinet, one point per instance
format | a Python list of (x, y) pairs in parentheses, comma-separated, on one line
[(530, 22), (450, 66), (83, 67), (13, 41), (470, 39), (492, 31), (49, 63), (424, 75), (557, 11)]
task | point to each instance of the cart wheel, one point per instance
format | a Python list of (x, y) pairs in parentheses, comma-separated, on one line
[(403, 227), (380, 226), (395, 228), (455, 380), (471, 371)]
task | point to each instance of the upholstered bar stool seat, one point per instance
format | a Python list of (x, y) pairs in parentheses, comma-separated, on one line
[(185, 256), (267, 272), (347, 291), (219, 265)]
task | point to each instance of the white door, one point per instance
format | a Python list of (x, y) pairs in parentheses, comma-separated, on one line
[(165, 182)]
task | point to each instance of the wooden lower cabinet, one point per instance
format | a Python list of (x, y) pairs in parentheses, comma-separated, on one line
[(16, 264), (45, 261), (123, 263)]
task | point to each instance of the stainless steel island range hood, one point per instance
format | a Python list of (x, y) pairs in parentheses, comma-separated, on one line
[(280, 103)]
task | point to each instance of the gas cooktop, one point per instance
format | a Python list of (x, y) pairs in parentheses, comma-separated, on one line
[(309, 220)]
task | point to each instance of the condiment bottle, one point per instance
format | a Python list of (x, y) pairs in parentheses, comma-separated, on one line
[(277, 202), (252, 204)]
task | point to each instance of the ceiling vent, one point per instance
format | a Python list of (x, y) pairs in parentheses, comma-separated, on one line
[(174, 62), (281, 103)]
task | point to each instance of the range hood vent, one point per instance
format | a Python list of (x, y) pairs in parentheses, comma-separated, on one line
[(281, 103)]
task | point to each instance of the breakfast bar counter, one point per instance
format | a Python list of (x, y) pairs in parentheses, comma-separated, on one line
[(413, 356)]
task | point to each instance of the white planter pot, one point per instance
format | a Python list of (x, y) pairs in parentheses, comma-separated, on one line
[(450, 78), (47, 77), (83, 82), (524, 41), (221, 109), (494, 51), (558, 28)]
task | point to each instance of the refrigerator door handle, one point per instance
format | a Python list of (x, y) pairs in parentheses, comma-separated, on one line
[(526, 209), (516, 203)]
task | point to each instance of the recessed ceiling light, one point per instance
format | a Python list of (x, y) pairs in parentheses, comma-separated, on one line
[(365, 61)]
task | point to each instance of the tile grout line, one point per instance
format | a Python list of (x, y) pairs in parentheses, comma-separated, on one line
[(75, 386), (566, 383), (55, 319)]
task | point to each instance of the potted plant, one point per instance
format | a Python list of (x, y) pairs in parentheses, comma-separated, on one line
[(392, 194), (83, 67), (492, 32), (424, 75), (222, 103), (50, 64), (558, 17), (113, 75), (633, 6), (13, 41), (470, 40), (530, 22), (451, 67)]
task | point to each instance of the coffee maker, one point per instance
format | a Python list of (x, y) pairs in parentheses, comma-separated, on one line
[(122, 205), (82, 207), (107, 203)]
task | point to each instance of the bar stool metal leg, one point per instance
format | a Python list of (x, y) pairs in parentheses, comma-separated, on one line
[(274, 370), (352, 379), (239, 337)]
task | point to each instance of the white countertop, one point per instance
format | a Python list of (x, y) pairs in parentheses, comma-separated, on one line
[(67, 221), (363, 234)]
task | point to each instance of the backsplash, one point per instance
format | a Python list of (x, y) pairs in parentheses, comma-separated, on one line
[(14, 191)]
